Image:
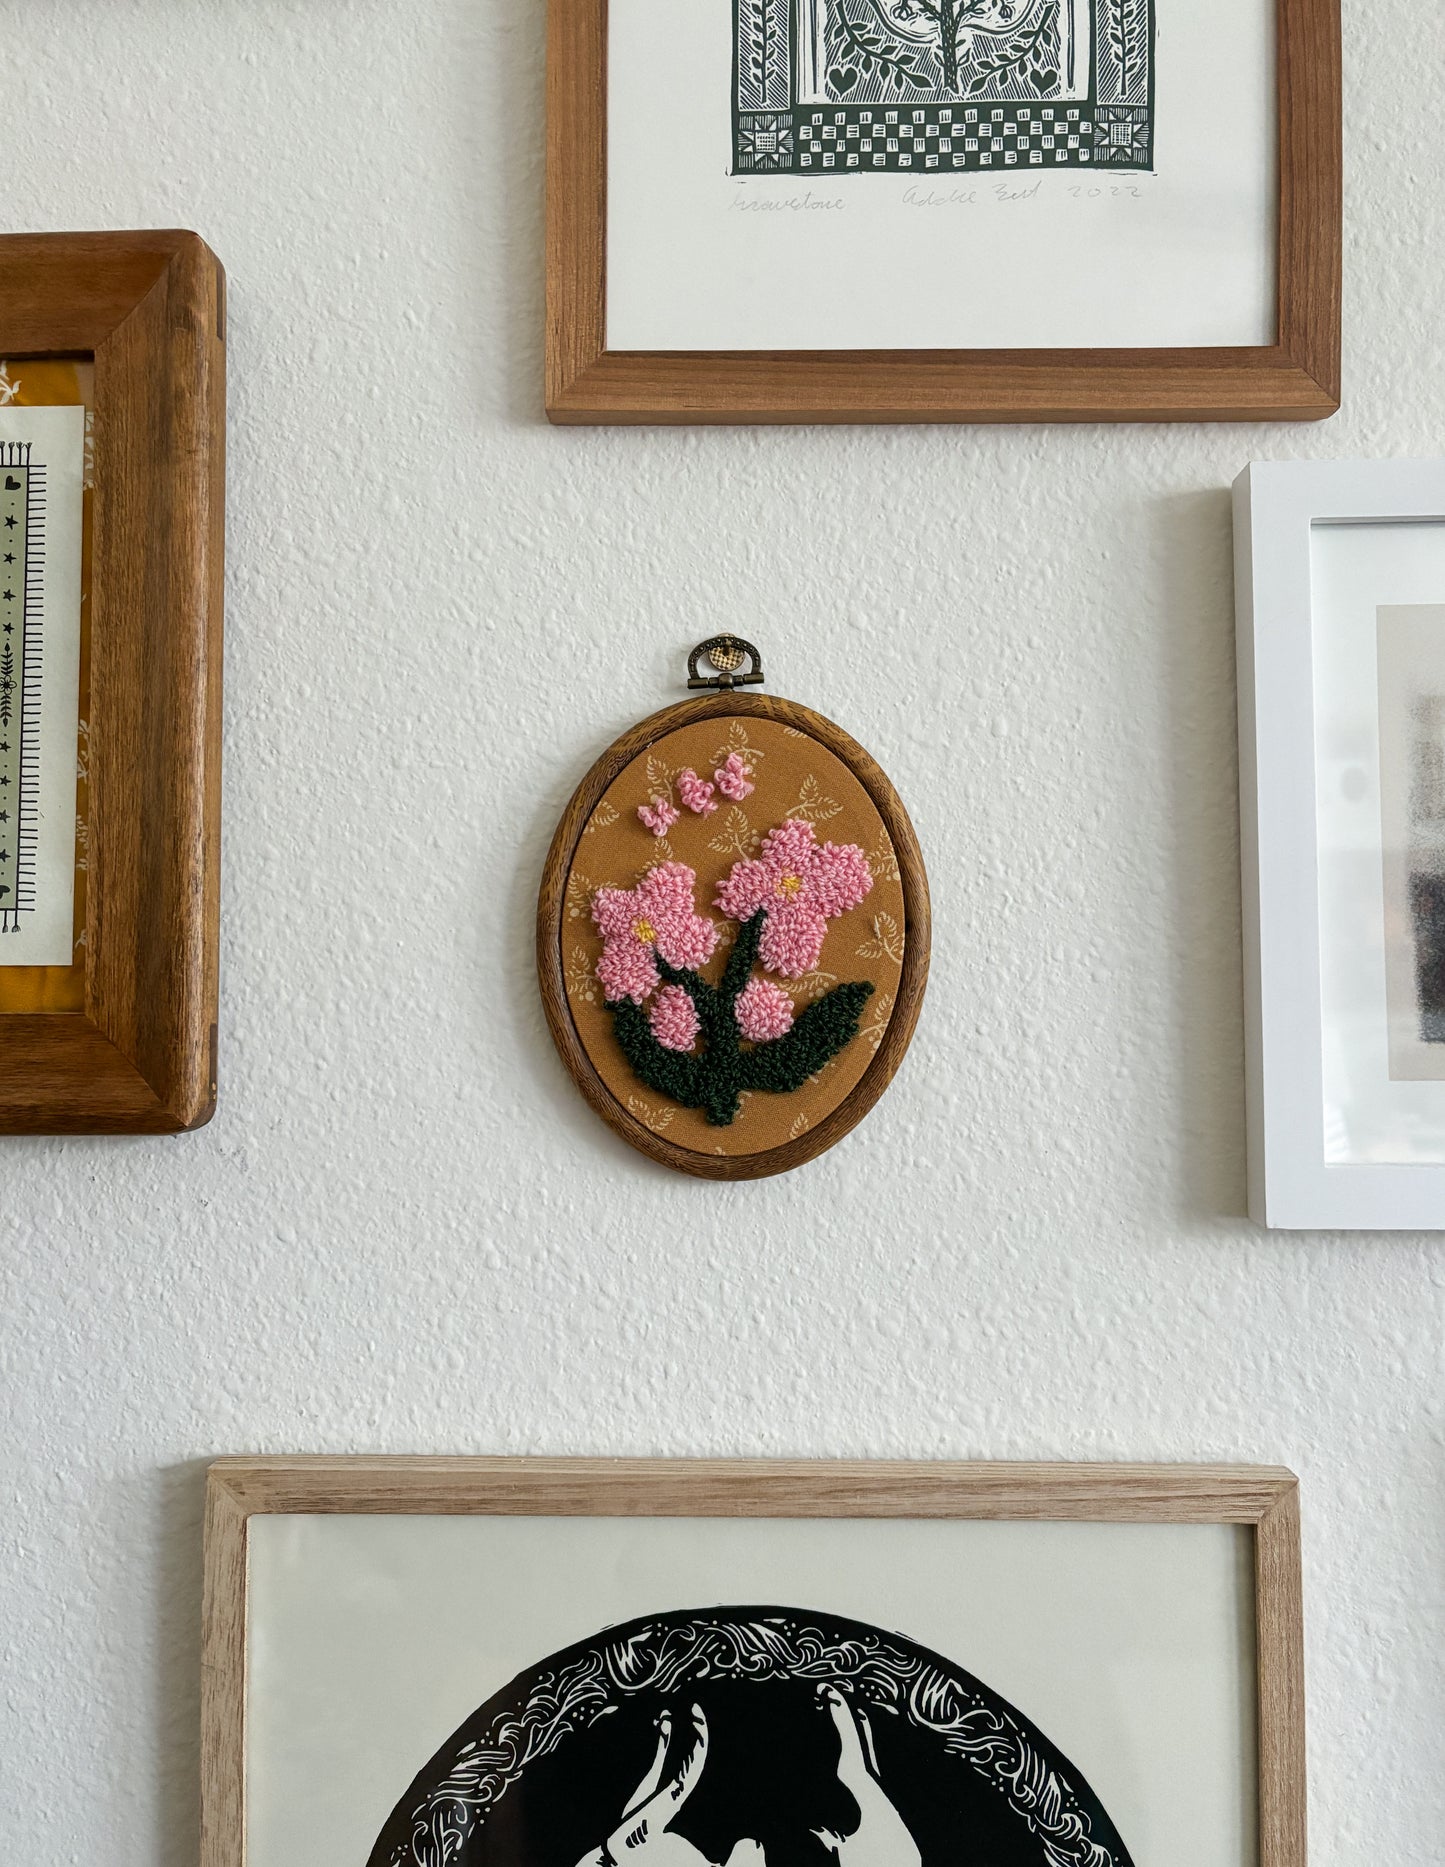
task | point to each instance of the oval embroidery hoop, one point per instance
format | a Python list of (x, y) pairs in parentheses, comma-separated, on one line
[(729, 988)]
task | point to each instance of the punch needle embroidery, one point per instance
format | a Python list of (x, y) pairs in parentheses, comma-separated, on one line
[(654, 938), (733, 928)]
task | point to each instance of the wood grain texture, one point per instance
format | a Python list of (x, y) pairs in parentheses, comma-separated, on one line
[(551, 907), (1297, 378), (149, 307), (223, 1681), (1279, 1617), (1043, 1493)]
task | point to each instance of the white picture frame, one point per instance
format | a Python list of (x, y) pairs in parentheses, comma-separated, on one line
[(1321, 548)]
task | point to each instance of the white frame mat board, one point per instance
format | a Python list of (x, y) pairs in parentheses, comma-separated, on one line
[(1341, 592)]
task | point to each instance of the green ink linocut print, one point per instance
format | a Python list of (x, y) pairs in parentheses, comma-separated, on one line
[(935, 87)]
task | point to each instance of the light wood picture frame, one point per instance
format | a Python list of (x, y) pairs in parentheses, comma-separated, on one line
[(137, 1054), (245, 1492), (1294, 378)]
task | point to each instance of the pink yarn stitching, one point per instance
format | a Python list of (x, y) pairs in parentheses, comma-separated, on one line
[(731, 778), (657, 919), (801, 888), (696, 793), (674, 1019), (764, 1011), (660, 817)]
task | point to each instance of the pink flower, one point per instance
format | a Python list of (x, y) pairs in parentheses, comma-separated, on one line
[(674, 1019), (732, 778), (696, 793), (800, 888), (763, 1010), (660, 817), (656, 920)]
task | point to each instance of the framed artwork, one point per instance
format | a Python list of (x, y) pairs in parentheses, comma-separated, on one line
[(533, 1663), (943, 210), (1341, 601), (112, 423), (733, 931)]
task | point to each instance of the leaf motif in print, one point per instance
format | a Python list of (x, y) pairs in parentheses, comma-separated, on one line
[(815, 983), (659, 778), (662, 851), (737, 741), (881, 1012), (801, 1124), (887, 940), (581, 979), (735, 836), (654, 1120), (795, 732), (814, 804), (579, 897), (883, 860), (602, 818)]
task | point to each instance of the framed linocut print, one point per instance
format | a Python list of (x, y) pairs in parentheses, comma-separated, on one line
[(1342, 737), (733, 932), (111, 430), (495, 1663), (890, 210)]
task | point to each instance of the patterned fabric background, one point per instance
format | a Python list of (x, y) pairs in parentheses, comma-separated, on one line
[(793, 776)]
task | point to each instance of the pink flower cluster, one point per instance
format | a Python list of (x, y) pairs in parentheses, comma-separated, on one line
[(674, 1019), (700, 797), (658, 816), (696, 793), (763, 1011), (800, 887), (656, 920), (731, 778)]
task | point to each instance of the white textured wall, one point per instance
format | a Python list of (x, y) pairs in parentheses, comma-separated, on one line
[(404, 1231)]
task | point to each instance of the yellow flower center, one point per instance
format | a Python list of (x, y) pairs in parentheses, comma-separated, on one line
[(645, 931), (789, 886)]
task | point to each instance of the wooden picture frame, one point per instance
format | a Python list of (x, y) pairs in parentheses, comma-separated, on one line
[(1296, 378), (148, 309), (1266, 1500), (551, 921)]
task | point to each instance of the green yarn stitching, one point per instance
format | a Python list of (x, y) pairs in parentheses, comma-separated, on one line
[(714, 1080)]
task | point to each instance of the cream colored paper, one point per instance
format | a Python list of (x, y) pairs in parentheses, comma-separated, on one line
[(699, 259), (373, 1638)]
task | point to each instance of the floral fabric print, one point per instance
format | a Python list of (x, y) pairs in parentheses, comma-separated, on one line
[(760, 1066), (800, 888), (657, 919)]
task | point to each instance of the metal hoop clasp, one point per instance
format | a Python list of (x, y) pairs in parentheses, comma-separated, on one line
[(726, 655)]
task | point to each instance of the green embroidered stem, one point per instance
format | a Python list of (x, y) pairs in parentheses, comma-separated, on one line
[(714, 1080)]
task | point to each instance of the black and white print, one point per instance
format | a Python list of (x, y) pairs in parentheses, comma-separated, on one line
[(839, 87), (756, 1736)]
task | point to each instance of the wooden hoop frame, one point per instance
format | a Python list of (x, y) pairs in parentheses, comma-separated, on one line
[(149, 309), (551, 908), (1297, 378), (1265, 1498)]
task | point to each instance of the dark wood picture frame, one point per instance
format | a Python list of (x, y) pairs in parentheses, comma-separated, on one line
[(551, 911), (149, 310), (1264, 1498), (1297, 378)]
